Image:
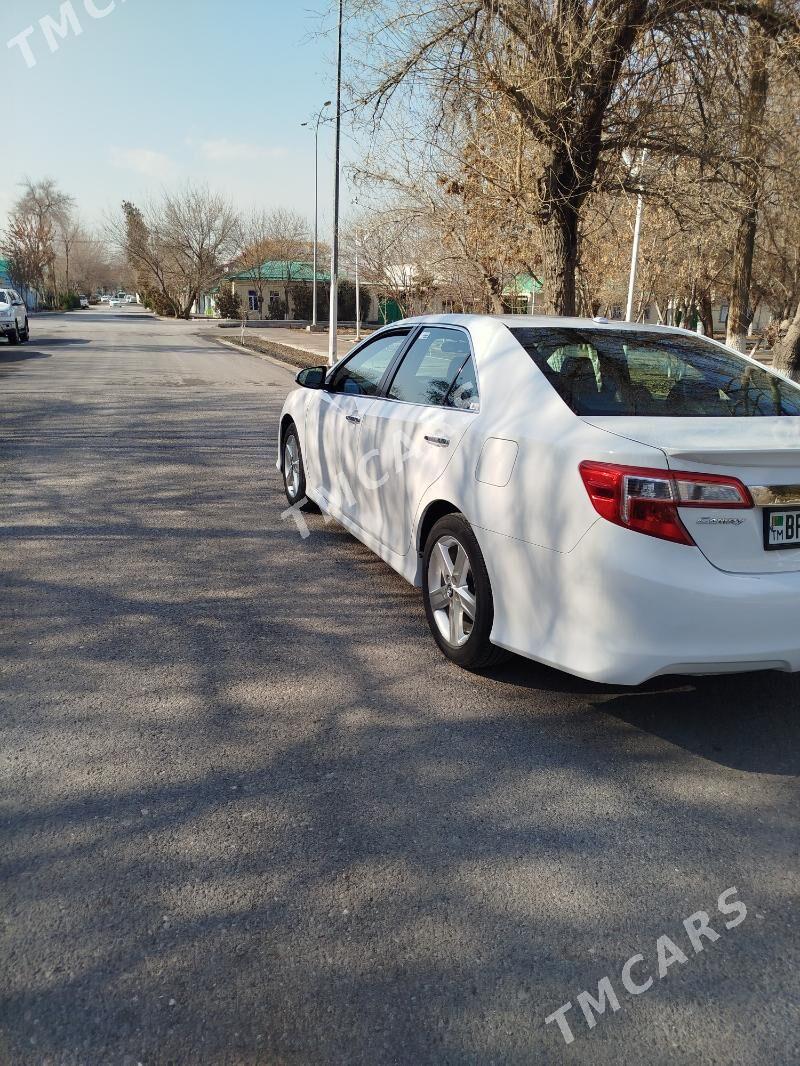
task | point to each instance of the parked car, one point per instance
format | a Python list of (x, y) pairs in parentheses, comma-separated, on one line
[(104, 299), (615, 500), (116, 301), (13, 317), (84, 301)]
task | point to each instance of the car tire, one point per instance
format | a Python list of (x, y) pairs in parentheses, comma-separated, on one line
[(13, 336), (293, 470), (26, 333), (455, 585)]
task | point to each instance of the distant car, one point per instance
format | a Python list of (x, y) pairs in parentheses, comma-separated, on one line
[(105, 299), (13, 317), (84, 301), (116, 301), (128, 299)]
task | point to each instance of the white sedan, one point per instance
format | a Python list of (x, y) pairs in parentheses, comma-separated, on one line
[(619, 501)]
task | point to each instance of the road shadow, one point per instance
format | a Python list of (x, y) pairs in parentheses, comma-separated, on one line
[(15, 353), (61, 342), (747, 722), (253, 816)]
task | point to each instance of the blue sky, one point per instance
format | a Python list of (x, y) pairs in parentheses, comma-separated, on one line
[(159, 91)]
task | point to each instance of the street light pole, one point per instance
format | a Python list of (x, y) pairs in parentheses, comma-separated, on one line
[(334, 309), (358, 292), (636, 231), (316, 211)]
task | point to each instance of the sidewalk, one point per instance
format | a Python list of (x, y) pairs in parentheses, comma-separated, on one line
[(307, 342), (293, 346)]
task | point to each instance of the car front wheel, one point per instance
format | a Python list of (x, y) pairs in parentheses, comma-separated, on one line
[(458, 595), (13, 334)]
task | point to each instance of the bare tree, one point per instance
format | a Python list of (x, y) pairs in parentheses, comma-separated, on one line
[(279, 236), (29, 240), (200, 231), (178, 246), (582, 80), (256, 231), (287, 242)]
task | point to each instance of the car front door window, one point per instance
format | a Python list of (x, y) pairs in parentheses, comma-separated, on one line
[(361, 374)]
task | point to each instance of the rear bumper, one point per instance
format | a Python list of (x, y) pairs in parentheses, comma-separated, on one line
[(622, 608)]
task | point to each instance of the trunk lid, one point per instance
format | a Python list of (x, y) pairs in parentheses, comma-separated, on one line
[(763, 453)]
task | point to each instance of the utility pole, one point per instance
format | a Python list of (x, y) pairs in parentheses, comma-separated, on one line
[(334, 312), (316, 212)]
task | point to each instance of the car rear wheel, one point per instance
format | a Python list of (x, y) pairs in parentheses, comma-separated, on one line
[(458, 595)]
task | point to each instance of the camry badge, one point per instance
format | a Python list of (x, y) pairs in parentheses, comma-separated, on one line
[(707, 521)]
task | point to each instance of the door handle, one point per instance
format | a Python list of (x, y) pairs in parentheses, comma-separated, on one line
[(352, 418), (440, 442)]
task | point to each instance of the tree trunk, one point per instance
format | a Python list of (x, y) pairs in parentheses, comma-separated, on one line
[(786, 353), (751, 150), (494, 292), (560, 240), (706, 313), (186, 310), (739, 309)]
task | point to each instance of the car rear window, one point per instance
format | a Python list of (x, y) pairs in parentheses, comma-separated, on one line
[(622, 372)]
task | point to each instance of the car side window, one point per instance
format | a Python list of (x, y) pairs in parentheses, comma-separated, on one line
[(361, 374), (430, 367)]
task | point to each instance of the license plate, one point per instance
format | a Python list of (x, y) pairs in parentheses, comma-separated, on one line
[(781, 529)]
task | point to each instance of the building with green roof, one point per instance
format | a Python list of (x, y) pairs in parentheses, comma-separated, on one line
[(281, 270), (520, 294), (278, 288)]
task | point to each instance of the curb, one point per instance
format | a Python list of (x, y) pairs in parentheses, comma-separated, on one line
[(260, 355)]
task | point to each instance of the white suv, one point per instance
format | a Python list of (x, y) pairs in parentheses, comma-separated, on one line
[(13, 317)]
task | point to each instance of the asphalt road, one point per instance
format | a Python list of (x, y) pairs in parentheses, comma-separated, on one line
[(252, 816)]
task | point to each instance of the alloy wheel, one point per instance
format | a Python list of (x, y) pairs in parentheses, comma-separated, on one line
[(291, 465), (451, 590)]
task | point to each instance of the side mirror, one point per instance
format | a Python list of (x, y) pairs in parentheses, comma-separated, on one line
[(313, 377)]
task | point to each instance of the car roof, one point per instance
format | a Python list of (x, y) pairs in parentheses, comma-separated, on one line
[(542, 322)]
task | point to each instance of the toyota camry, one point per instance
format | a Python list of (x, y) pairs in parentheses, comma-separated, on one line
[(618, 501)]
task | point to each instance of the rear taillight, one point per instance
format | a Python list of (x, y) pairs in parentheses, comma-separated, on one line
[(647, 501)]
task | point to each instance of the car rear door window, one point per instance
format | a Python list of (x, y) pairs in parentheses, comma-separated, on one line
[(430, 367), (625, 372), (463, 392)]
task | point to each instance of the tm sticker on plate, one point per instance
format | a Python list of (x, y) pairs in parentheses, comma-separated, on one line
[(781, 529)]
